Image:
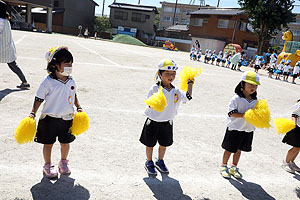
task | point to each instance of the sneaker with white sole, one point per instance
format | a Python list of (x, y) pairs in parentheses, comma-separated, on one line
[(49, 170), (224, 172), (150, 168), (63, 167), (295, 167), (288, 167), (234, 171), (160, 165)]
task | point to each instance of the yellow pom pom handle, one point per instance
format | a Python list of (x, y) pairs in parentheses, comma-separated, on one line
[(260, 115), (188, 73), (80, 123), (284, 125), (157, 101), (26, 131)]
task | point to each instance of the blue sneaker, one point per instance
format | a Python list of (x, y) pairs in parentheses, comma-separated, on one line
[(149, 167), (160, 165)]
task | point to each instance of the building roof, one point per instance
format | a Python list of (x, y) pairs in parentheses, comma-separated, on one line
[(94, 2), (134, 7), (178, 27), (218, 11)]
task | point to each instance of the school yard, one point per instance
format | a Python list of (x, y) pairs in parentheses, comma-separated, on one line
[(108, 161)]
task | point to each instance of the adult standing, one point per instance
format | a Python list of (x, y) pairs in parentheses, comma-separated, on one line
[(7, 46), (197, 45)]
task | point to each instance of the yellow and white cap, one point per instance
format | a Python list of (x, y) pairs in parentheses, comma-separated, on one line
[(51, 52), (250, 77), (167, 64)]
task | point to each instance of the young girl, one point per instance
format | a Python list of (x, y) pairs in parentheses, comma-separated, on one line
[(228, 60), (224, 59), (286, 70), (271, 69), (293, 138), (296, 71), (159, 125), (279, 69), (257, 65), (58, 91), (219, 58), (199, 55), (239, 133), (213, 57)]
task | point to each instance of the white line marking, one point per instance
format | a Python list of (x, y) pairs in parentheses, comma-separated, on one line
[(20, 40), (94, 52)]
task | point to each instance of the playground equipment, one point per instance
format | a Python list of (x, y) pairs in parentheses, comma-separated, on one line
[(169, 46), (291, 49), (232, 48)]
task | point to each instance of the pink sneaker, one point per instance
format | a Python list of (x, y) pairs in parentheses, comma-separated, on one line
[(50, 171), (63, 167)]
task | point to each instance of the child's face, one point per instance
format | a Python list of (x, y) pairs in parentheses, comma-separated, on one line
[(167, 76), (250, 88), (61, 67)]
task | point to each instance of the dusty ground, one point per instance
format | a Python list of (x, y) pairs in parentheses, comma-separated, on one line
[(107, 162)]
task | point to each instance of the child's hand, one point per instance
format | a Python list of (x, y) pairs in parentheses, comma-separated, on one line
[(32, 115), (79, 109), (190, 81)]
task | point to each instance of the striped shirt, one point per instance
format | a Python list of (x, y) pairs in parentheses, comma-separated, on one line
[(7, 45)]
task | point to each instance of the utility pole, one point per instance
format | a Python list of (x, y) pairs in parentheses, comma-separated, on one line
[(139, 2), (175, 12), (103, 7), (218, 3)]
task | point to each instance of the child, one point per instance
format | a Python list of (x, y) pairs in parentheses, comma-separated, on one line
[(209, 55), (228, 60), (241, 60), (192, 52), (271, 69), (239, 133), (296, 71), (213, 57), (199, 55), (279, 69), (224, 59), (257, 65), (159, 125), (293, 138), (219, 58), (58, 90), (235, 60), (205, 56), (286, 70)]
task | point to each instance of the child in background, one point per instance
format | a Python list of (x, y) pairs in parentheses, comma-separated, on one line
[(279, 69), (286, 70), (257, 65), (208, 56), (58, 91), (224, 59), (159, 125), (296, 71), (271, 69), (199, 55), (213, 57), (205, 56), (239, 133), (219, 58), (192, 52), (293, 138), (228, 60)]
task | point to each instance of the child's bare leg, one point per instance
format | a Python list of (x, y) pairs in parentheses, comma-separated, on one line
[(47, 149), (236, 157), (291, 154), (226, 157), (149, 151), (64, 150), (161, 152), (295, 154)]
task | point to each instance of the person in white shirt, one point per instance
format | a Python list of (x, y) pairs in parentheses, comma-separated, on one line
[(224, 59), (192, 52), (296, 71), (219, 58), (199, 54), (293, 138), (213, 57), (279, 69), (58, 92), (209, 54), (286, 70), (159, 125), (257, 65), (272, 67), (239, 132), (7, 46), (228, 60), (205, 56)]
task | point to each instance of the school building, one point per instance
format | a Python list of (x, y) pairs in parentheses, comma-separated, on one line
[(215, 27)]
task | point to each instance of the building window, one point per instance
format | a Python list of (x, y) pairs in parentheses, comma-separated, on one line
[(147, 16), (184, 21), (196, 22), (121, 15), (168, 9), (296, 22), (138, 17), (223, 23), (243, 26), (56, 4), (167, 19)]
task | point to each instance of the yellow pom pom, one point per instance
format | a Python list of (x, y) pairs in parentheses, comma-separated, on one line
[(283, 125), (80, 123), (157, 101), (188, 73), (260, 115), (26, 130)]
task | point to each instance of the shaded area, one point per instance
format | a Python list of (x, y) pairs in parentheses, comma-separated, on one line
[(251, 190), (63, 188), (297, 190), (127, 39), (166, 189), (7, 91)]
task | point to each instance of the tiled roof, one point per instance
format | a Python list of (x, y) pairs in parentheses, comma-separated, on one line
[(178, 27), (218, 11), (134, 7)]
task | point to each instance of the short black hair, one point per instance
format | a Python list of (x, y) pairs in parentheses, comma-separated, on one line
[(62, 56), (239, 90)]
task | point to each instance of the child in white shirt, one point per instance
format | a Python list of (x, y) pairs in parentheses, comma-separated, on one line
[(286, 70), (296, 71)]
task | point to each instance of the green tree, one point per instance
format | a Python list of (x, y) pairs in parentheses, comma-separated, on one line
[(102, 24), (268, 17), (157, 18)]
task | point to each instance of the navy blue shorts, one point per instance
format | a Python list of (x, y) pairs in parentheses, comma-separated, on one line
[(237, 140)]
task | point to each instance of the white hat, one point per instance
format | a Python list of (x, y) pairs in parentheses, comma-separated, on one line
[(167, 64)]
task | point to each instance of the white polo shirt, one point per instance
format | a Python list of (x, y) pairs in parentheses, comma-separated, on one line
[(296, 69), (58, 96), (296, 113), (239, 105), (174, 96), (287, 68), (280, 66)]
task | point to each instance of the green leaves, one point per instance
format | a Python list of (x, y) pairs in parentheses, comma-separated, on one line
[(101, 24)]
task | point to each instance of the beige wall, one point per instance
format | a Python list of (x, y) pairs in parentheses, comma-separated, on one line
[(146, 27)]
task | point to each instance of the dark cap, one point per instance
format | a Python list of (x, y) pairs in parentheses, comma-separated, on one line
[(3, 13)]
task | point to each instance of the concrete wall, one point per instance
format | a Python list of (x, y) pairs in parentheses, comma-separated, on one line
[(209, 44), (146, 27)]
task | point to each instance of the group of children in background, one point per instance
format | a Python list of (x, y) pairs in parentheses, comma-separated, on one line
[(237, 60)]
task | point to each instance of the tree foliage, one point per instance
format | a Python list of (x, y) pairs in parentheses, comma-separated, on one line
[(157, 18), (102, 24), (268, 17)]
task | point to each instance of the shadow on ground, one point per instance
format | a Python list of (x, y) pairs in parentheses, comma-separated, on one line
[(165, 189), (7, 91), (251, 191), (63, 188)]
